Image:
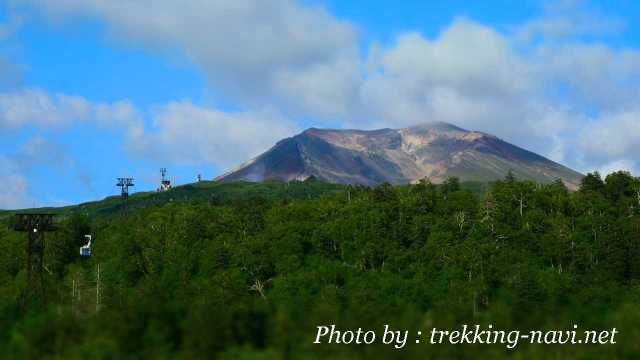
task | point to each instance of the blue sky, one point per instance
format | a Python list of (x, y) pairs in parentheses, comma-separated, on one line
[(95, 89)]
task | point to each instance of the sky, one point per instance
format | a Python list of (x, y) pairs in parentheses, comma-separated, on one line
[(92, 90)]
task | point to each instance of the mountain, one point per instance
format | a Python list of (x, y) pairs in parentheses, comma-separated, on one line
[(435, 150)]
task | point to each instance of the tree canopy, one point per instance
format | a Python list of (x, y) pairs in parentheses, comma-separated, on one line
[(252, 277)]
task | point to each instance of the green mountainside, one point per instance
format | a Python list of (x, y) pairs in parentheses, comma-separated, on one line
[(248, 271), (208, 191)]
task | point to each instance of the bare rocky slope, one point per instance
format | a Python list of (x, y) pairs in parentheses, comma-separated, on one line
[(435, 151)]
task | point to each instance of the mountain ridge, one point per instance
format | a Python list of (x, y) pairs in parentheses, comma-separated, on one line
[(435, 150)]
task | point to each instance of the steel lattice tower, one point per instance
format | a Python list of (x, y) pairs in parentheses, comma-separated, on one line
[(124, 184), (35, 225)]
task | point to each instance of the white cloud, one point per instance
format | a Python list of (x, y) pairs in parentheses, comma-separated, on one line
[(190, 134), (35, 152), (181, 132), (253, 49), (539, 97), (537, 84), (32, 106), (618, 165), (325, 90), (467, 69), (14, 192), (469, 75), (38, 150), (568, 18), (42, 110), (593, 75), (14, 189), (613, 135), (613, 140)]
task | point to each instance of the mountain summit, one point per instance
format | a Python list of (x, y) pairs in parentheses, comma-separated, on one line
[(434, 150)]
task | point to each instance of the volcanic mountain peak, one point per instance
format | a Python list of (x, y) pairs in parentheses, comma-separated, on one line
[(432, 150)]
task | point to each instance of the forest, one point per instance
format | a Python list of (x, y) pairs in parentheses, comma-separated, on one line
[(250, 275)]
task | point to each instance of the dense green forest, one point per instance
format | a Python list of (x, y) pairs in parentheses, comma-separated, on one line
[(250, 274)]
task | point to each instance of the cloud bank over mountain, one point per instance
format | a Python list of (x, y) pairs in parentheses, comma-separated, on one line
[(547, 84)]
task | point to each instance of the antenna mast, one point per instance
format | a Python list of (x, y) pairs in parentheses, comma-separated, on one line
[(164, 183)]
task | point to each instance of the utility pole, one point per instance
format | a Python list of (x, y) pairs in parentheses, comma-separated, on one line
[(98, 289), (35, 225), (73, 294)]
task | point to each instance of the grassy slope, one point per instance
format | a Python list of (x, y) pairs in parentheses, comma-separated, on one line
[(202, 191), (209, 191)]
